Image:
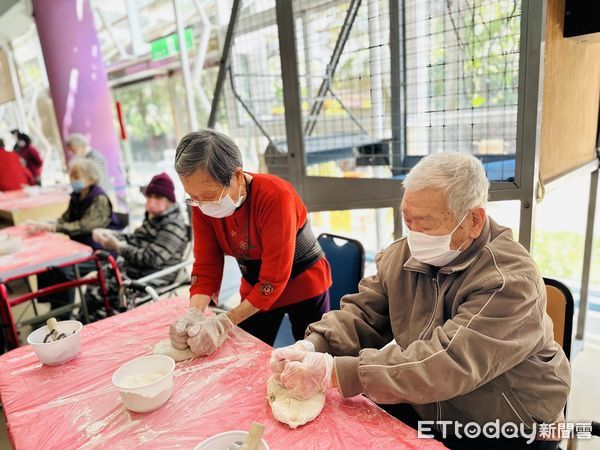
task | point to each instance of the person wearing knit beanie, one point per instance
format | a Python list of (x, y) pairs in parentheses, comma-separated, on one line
[(161, 185), (159, 242), (160, 195)]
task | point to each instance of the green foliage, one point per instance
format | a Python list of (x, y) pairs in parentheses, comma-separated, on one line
[(147, 109), (560, 254), (489, 36)]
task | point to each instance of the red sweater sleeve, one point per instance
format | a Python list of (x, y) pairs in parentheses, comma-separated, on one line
[(207, 271), (277, 219)]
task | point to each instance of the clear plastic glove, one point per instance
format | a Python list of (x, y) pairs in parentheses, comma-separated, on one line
[(294, 352), (306, 378), (204, 338), (178, 332)]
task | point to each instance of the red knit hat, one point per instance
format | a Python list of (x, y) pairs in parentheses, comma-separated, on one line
[(161, 185)]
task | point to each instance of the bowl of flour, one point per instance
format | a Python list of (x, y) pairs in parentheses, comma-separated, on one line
[(145, 383)]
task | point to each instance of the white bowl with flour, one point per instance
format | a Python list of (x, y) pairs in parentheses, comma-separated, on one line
[(145, 383)]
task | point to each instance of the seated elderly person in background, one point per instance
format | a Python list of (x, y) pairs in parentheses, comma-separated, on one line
[(464, 307), (78, 145), (89, 208), (157, 244)]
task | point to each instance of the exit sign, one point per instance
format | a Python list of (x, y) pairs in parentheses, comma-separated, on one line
[(169, 45)]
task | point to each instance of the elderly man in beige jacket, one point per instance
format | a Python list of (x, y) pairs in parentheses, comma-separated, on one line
[(465, 308)]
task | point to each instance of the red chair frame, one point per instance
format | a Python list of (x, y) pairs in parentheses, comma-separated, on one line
[(6, 304)]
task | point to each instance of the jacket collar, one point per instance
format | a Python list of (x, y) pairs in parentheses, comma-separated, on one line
[(460, 263)]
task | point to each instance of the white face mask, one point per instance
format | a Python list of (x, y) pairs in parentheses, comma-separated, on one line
[(433, 250), (223, 207)]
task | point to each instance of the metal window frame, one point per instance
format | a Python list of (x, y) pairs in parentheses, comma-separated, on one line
[(327, 193)]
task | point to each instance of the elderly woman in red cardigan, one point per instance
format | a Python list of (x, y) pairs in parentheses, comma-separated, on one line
[(261, 221)]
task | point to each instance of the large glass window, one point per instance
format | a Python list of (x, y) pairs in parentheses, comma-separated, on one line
[(149, 122), (558, 246), (251, 109), (457, 87)]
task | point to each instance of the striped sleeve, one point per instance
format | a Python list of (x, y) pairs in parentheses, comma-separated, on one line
[(167, 245)]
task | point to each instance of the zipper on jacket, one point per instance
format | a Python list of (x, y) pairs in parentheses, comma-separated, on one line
[(514, 410), (437, 294)]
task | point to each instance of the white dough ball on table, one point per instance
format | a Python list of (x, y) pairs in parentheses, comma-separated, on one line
[(289, 410), (165, 348)]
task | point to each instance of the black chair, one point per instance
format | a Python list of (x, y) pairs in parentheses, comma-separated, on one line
[(560, 307), (347, 259)]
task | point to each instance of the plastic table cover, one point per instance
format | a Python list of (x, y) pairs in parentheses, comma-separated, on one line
[(75, 405), (21, 199), (38, 251)]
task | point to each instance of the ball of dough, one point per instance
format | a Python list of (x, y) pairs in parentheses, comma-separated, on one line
[(165, 348), (289, 410)]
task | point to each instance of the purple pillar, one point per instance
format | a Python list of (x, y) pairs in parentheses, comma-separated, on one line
[(78, 80)]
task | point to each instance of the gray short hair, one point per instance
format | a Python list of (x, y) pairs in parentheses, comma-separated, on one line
[(88, 168), (461, 176), (77, 140), (208, 150)]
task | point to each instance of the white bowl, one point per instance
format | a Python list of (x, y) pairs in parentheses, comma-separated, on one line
[(224, 440), (57, 352), (150, 396), (9, 244)]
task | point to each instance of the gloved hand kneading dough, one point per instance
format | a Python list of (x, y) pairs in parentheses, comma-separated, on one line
[(308, 376), (294, 352), (165, 348), (178, 332), (205, 337)]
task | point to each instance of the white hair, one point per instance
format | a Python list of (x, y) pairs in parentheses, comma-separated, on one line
[(461, 176), (77, 140), (87, 167)]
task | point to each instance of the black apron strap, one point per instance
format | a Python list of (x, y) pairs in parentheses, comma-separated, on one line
[(307, 253)]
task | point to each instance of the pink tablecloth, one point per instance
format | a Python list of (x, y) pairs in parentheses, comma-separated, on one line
[(17, 200), (39, 251), (75, 405)]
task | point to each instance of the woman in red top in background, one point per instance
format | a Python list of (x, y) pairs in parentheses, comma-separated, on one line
[(261, 221), (29, 154), (13, 175)]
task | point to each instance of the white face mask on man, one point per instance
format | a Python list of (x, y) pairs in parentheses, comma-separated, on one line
[(433, 250), (223, 207)]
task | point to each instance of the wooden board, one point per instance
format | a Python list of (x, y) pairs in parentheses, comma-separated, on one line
[(571, 98)]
